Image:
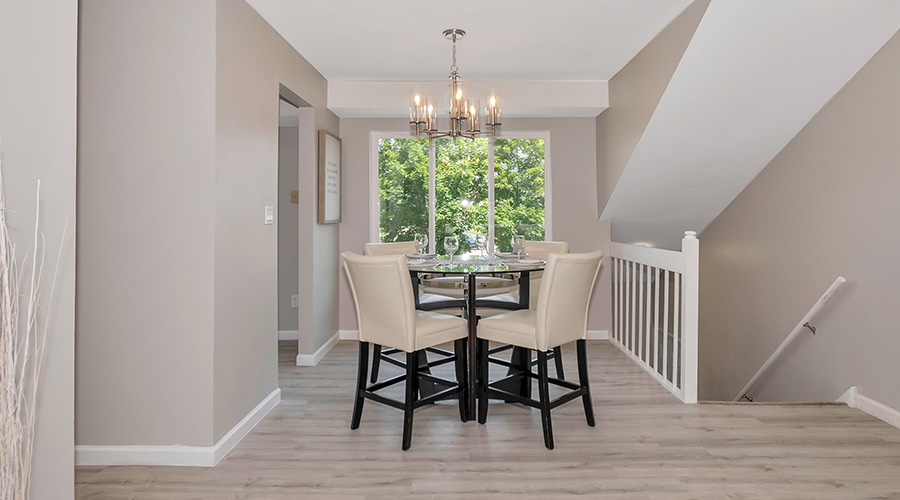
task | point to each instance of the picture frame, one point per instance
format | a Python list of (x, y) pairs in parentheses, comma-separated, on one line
[(330, 178)]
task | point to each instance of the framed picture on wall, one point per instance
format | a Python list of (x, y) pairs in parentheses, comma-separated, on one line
[(329, 178)]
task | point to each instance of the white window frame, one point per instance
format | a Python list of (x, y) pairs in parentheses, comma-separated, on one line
[(375, 195)]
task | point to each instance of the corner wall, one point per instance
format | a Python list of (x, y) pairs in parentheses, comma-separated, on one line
[(38, 42), (825, 206), (573, 197), (634, 93)]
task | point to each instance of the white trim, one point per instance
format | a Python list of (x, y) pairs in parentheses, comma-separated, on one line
[(288, 335), (178, 455), (349, 334), (878, 410), (314, 358), (598, 334)]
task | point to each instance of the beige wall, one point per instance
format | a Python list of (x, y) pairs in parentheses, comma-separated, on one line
[(37, 141), (251, 61), (573, 170), (634, 93), (146, 193), (825, 206), (288, 219)]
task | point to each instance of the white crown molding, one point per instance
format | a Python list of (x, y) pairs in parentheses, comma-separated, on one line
[(373, 99), (314, 358), (178, 455)]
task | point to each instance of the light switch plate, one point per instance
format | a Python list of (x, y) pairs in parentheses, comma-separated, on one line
[(270, 215), (295, 196)]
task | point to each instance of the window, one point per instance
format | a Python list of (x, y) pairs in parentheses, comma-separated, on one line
[(487, 186)]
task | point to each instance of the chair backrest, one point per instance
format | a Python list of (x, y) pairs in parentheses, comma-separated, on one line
[(383, 294), (541, 249), (566, 289), (393, 248)]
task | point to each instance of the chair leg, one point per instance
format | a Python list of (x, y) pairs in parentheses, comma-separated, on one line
[(459, 348), (557, 358), (483, 380), (544, 391), (376, 362), (360, 384), (412, 389), (583, 381)]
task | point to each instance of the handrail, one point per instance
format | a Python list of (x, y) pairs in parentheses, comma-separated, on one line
[(804, 323)]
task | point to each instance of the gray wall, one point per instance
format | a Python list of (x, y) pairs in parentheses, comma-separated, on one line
[(288, 219), (573, 169), (251, 61), (37, 141), (634, 93), (146, 193), (178, 151), (825, 206)]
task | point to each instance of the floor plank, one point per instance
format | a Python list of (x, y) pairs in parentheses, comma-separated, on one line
[(647, 446)]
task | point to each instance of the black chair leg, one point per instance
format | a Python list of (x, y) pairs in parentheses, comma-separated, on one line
[(459, 348), (360, 384), (557, 358), (583, 381), (412, 389), (544, 391), (376, 362), (483, 380)]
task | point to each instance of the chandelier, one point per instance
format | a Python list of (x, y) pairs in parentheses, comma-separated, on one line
[(465, 113)]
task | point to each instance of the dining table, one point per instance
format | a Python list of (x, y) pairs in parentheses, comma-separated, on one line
[(475, 274)]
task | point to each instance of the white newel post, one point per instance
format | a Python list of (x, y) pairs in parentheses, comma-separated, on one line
[(690, 248)]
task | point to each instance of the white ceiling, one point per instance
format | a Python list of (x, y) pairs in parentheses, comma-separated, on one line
[(752, 77), (507, 40)]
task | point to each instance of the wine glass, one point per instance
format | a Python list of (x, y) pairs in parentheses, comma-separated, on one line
[(421, 242), (518, 245), (480, 240), (451, 245)]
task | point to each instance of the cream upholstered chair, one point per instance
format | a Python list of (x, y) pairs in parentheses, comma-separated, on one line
[(387, 316), (560, 317), (535, 250), (391, 248), (379, 354)]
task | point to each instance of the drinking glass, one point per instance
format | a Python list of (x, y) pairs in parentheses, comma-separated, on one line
[(480, 240), (421, 242), (451, 245), (518, 245)]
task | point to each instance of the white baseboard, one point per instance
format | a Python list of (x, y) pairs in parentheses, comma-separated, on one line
[(314, 358), (598, 334), (878, 410), (287, 335), (349, 334), (200, 456)]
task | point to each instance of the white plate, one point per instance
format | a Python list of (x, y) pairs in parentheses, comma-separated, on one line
[(421, 255), (524, 262), (509, 255)]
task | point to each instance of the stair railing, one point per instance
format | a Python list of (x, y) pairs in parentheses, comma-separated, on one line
[(804, 323)]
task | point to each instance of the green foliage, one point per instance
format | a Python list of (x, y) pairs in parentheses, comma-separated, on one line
[(461, 174)]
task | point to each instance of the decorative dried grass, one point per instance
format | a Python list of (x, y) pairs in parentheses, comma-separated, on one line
[(22, 344)]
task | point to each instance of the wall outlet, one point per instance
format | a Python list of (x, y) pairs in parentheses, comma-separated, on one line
[(295, 301), (295, 196)]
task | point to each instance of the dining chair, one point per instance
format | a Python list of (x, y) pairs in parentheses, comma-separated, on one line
[(386, 313), (534, 250), (380, 354), (560, 317)]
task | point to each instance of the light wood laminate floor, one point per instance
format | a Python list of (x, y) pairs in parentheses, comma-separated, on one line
[(646, 445)]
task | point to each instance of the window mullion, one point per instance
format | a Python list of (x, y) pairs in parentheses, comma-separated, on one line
[(432, 245), (490, 196)]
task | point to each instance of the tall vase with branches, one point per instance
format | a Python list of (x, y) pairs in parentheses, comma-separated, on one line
[(23, 339)]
